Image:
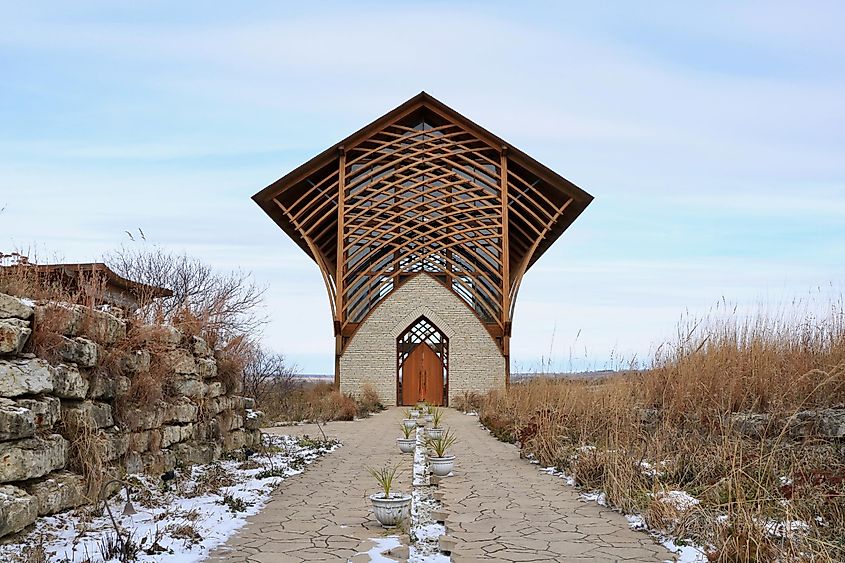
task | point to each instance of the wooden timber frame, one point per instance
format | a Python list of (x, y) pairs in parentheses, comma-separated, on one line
[(423, 189)]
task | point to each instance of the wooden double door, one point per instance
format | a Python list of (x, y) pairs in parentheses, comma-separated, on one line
[(422, 376)]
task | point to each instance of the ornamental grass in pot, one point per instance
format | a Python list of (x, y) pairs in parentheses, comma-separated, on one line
[(428, 414), (440, 460), (436, 429), (408, 421), (409, 442), (390, 508)]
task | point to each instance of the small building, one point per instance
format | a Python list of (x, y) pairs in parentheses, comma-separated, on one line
[(423, 225), (94, 281)]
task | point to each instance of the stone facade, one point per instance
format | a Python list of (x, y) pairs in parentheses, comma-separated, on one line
[(85, 386), (475, 361)]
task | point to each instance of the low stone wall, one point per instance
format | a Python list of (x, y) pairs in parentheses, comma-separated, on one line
[(78, 407)]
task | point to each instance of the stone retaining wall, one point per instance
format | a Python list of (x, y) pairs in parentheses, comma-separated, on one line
[(82, 393)]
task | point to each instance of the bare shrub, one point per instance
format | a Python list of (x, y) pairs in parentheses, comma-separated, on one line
[(219, 306), (369, 401), (468, 401), (87, 454), (335, 406), (267, 374)]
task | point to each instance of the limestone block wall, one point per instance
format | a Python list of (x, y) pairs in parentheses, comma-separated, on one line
[(80, 400), (475, 362)]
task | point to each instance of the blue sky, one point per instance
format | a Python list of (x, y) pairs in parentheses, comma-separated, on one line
[(712, 136)]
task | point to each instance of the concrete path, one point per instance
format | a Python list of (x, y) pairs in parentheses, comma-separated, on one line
[(500, 508)]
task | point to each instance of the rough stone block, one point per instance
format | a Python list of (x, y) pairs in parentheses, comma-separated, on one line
[(69, 383), (32, 457), (163, 336), (831, 423), (179, 361), (108, 328), (234, 440), (446, 544), (236, 387), (139, 441), (188, 386), (155, 440), (200, 347), (17, 509), (80, 351), (219, 404), (206, 367), (145, 418), (159, 462), (13, 335), (230, 421), (182, 410), (106, 387), (254, 420), (88, 414), (16, 422), (25, 377), (247, 402), (14, 307), (208, 430), (116, 444), (253, 438), (753, 425), (45, 410), (214, 389), (802, 424), (133, 463), (135, 362), (74, 320), (193, 454), (57, 491), (173, 434)]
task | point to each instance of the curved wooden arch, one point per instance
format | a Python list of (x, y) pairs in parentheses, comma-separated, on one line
[(423, 189)]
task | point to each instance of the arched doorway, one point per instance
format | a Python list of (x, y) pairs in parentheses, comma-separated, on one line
[(422, 366)]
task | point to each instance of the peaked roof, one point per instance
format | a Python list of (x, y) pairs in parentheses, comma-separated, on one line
[(580, 198)]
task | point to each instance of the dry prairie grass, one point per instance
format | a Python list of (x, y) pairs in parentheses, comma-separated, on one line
[(301, 401), (670, 428)]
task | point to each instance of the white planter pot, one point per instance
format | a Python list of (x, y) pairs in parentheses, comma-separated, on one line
[(415, 413), (391, 511), (409, 422), (429, 418), (420, 421), (406, 445), (442, 466), (435, 433)]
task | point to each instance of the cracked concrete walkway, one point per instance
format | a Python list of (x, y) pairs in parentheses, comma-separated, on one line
[(500, 508)]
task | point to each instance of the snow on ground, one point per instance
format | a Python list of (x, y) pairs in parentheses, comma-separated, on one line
[(686, 551), (182, 519), (382, 546), (424, 532)]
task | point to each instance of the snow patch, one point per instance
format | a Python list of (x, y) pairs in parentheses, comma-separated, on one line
[(182, 522)]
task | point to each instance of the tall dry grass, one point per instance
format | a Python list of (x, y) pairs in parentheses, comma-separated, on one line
[(321, 402), (675, 427)]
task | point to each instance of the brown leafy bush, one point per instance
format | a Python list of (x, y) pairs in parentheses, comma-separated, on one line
[(468, 401), (369, 401)]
